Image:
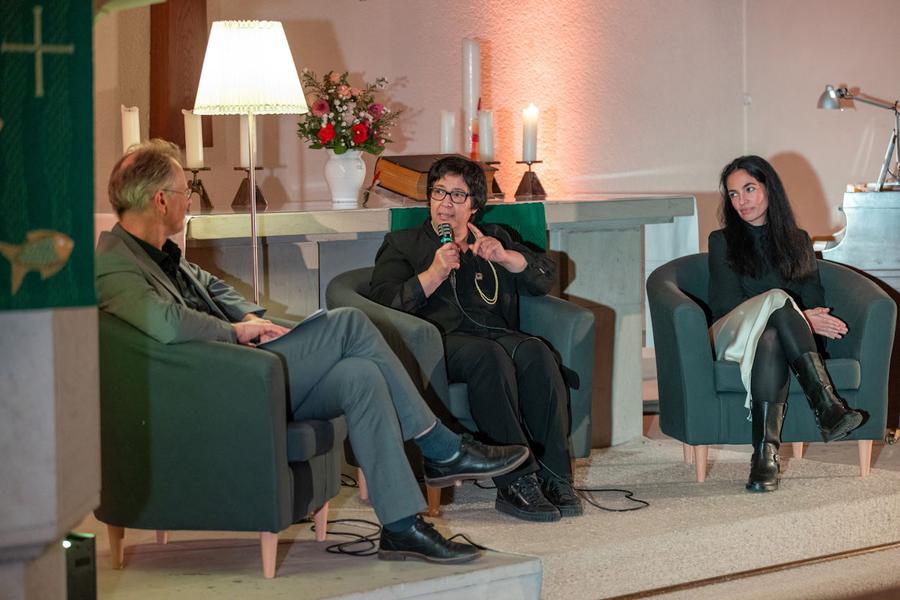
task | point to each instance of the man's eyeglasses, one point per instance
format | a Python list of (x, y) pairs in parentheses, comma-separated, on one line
[(188, 193), (456, 196)]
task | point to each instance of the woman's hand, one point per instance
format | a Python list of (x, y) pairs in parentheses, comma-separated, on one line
[(825, 324), (490, 248), (446, 259)]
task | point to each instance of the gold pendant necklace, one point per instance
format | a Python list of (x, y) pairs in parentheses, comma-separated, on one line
[(493, 299)]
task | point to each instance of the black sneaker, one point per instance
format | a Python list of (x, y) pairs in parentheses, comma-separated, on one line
[(423, 542), (523, 499), (474, 460), (561, 494)]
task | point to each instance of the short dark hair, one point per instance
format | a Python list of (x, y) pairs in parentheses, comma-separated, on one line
[(470, 171)]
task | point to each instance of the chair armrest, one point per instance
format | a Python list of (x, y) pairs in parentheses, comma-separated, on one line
[(569, 328), (684, 361), (871, 317), (415, 341), (193, 434)]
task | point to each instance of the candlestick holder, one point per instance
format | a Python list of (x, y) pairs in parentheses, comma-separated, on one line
[(197, 187), (495, 186), (242, 197), (530, 187)]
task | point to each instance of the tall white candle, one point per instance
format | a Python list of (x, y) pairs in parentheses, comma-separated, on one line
[(529, 133), (245, 146), (486, 135), (193, 140), (471, 87), (131, 127), (448, 132)]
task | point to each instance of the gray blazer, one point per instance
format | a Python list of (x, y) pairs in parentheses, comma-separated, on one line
[(131, 286)]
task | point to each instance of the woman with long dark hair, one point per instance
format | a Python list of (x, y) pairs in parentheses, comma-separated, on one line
[(768, 302)]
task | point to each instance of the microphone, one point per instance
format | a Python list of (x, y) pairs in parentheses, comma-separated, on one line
[(445, 232)]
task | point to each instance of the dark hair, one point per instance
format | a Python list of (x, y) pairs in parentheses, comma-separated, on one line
[(470, 171), (788, 247)]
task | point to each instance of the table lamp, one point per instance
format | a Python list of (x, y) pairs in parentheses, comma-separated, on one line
[(248, 70), (831, 100)]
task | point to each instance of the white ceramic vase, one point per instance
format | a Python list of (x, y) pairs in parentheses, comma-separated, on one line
[(344, 174)]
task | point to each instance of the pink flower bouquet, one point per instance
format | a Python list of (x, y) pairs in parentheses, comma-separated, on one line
[(343, 117)]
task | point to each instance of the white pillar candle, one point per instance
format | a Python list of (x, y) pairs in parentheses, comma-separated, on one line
[(529, 133), (471, 88), (448, 132), (245, 146), (486, 135), (131, 127), (193, 140)]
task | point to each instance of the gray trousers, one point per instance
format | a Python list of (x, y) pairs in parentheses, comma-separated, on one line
[(339, 364)]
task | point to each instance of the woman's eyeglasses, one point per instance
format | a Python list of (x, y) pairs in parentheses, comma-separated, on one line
[(456, 196)]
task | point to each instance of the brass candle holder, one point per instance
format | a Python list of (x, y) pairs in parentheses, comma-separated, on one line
[(197, 187), (530, 187), (242, 197)]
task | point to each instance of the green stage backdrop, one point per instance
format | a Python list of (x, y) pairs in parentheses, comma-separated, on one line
[(46, 154)]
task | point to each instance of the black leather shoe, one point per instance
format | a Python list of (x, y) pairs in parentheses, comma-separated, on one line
[(474, 460), (523, 499), (561, 494), (423, 542)]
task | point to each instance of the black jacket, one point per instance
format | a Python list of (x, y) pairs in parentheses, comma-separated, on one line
[(404, 254)]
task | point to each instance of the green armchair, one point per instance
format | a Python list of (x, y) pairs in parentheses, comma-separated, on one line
[(195, 436), (701, 400), (418, 344)]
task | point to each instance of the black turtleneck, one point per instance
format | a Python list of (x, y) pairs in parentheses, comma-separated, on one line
[(727, 288)]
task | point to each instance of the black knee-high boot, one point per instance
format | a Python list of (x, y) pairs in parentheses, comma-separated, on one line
[(835, 419), (765, 464)]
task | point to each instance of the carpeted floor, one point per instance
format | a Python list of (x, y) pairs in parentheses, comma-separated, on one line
[(690, 531)]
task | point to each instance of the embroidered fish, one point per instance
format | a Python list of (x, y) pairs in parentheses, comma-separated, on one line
[(44, 250)]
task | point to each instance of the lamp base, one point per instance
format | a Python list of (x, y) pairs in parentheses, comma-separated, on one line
[(530, 188), (242, 197)]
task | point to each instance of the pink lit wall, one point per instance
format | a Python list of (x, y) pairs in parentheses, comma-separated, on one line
[(635, 96)]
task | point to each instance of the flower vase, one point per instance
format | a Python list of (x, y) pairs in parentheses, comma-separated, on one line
[(344, 174)]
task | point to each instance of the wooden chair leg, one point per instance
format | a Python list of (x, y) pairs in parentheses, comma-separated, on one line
[(162, 537), (688, 451), (363, 486), (797, 449), (268, 545), (434, 501), (865, 457), (700, 455), (116, 545), (320, 518)]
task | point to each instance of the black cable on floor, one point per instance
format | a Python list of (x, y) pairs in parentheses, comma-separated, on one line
[(587, 495), (368, 542)]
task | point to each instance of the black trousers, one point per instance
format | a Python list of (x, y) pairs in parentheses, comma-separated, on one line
[(785, 338), (516, 395)]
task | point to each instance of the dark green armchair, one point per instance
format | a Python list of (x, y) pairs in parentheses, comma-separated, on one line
[(701, 400), (418, 344), (195, 436)]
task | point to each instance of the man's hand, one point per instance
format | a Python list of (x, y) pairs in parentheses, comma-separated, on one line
[(490, 248), (824, 324), (257, 331)]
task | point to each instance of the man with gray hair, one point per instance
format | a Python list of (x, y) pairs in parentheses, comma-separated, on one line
[(338, 363)]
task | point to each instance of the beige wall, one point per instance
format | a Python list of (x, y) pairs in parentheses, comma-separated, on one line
[(635, 96), (794, 48)]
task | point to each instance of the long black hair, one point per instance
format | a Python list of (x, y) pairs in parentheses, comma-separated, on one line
[(788, 247)]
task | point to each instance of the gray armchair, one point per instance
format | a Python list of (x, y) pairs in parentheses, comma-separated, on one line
[(195, 436), (701, 400), (418, 344)]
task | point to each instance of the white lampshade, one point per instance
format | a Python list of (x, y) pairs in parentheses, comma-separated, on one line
[(248, 68)]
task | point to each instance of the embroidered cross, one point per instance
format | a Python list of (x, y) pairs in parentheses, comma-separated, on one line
[(38, 48)]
